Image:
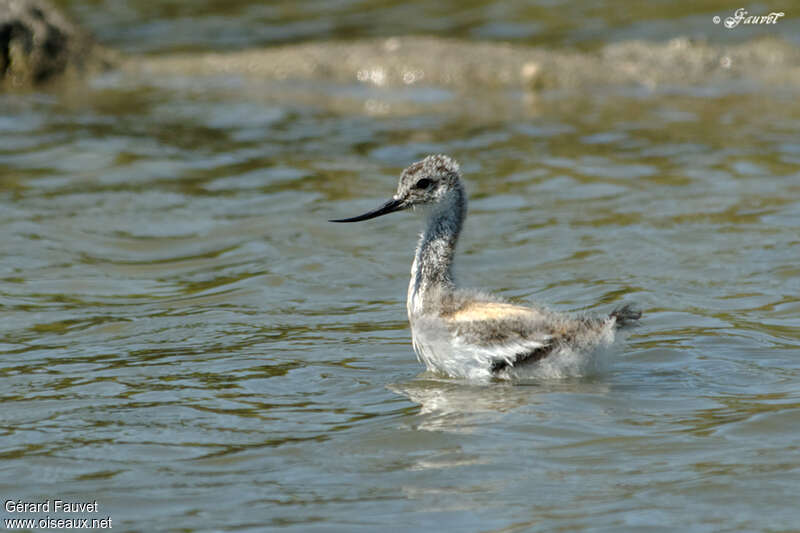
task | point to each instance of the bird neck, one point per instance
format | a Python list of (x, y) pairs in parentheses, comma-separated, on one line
[(432, 270)]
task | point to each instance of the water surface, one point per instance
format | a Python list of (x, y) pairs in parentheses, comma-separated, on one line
[(186, 340)]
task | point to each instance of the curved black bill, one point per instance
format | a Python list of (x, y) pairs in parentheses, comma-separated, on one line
[(389, 207)]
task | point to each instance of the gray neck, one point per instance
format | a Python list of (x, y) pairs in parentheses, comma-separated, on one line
[(432, 270)]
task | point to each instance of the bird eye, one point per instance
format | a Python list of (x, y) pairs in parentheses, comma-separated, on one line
[(424, 183)]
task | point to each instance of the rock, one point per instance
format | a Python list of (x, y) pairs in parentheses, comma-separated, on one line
[(38, 44)]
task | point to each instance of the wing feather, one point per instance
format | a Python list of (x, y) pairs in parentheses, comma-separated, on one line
[(475, 311)]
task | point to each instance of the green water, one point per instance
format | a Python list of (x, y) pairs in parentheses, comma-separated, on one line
[(187, 341)]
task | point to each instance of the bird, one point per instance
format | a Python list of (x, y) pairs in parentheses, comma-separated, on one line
[(472, 334)]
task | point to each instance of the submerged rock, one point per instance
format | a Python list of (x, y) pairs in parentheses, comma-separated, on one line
[(39, 44)]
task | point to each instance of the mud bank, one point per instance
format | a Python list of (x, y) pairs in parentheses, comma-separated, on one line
[(38, 44), (466, 65)]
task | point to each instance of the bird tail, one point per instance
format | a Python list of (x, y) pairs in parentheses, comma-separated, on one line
[(626, 315)]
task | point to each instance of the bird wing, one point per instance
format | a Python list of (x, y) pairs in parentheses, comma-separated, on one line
[(508, 334), (478, 311), (504, 335)]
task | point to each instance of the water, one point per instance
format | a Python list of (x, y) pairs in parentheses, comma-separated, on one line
[(186, 340)]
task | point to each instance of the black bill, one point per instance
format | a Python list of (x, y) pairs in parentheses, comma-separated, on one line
[(389, 207)]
